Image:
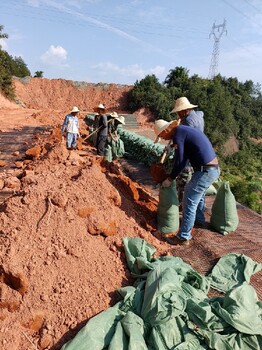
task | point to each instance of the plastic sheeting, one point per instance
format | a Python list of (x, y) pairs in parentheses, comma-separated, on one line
[(168, 308)]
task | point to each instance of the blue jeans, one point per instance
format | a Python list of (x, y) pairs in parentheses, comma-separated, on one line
[(71, 140), (194, 200)]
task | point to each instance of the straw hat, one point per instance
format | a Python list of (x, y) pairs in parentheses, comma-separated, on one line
[(121, 119), (114, 115), (100, 106), (162, 125), (182, 104), (75, 109)]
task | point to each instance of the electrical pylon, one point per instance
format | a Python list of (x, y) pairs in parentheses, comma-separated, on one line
[(217, 32)]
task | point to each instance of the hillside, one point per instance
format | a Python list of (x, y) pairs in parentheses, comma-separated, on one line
[(61, 95), (61, 252)]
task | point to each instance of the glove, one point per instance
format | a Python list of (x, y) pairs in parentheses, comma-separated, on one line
[(166, 183)]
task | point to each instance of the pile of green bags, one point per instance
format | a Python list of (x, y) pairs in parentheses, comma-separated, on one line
[(168, 307), (141, 148)]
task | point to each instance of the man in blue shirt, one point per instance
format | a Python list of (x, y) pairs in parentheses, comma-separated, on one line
[(71, 127), (188, 116), (191, 145)]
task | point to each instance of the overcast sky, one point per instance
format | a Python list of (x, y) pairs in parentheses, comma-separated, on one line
[(114, 41)]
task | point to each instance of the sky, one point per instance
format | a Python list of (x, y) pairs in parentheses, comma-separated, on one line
[(122, 41)]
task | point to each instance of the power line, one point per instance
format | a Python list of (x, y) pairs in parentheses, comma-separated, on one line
[(251, 19), (254, 7)]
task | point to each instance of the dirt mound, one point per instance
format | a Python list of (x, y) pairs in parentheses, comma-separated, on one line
[(61, 253), (7, 104), (60, 94)]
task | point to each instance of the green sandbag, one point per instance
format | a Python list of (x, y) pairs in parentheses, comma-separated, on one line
[(224, 217), (211, 191), (118, 148), (168, 210), (108, 153)]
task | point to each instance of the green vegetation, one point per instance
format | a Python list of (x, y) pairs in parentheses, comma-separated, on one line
[(10, 66), (231, 109), (38, 74)]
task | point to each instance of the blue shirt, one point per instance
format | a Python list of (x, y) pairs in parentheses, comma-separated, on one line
[(195, 119), (71, 124), (192, 145)]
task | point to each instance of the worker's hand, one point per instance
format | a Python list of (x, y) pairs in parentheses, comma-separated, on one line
[(166, 183)]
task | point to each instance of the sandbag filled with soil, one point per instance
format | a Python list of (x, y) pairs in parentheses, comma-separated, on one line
[(168, 210), (224, 217)]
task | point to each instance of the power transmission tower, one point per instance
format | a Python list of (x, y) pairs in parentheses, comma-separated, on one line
[(217, 32)]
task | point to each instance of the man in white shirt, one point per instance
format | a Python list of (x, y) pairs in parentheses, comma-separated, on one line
[(71, 127)]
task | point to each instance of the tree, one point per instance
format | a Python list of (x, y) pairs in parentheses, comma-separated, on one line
[(19, 68), (38, 74), (178, 77), (5, 75), (9, 67), (2, 35)]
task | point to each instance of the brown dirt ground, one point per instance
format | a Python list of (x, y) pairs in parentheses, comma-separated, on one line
[(63, 215)]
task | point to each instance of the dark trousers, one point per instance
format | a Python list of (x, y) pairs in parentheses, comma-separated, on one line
[(182, 179), (101, 144)]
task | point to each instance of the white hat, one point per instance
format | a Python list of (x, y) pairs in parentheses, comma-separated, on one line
[(182, 104), (75, 109), (101, 106), (121, 119), (114, 115), (161, 125)]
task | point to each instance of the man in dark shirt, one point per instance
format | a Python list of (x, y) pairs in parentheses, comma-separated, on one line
[(101, 125), (191, 145)]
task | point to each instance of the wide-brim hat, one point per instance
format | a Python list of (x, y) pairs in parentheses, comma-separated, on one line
[(161, 125), (121, 119), (113, 115), (75, 109), (182, 104), (100, 106)]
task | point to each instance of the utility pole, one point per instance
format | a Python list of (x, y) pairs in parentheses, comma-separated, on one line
[(217, 32)]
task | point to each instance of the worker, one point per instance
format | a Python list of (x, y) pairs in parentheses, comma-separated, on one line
[(114, 140), (188, 116), (190, 144), (101, 125), (71, 128)]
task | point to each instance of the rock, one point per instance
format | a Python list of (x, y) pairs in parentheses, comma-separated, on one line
[(46, 341), (19, 164), (13, 183), (59, 199), (33, 152)]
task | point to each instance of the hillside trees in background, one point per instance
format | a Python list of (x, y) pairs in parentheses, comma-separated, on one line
[(231, 108), (10, 66), (150, 93), (39, 74), (18, 67)]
